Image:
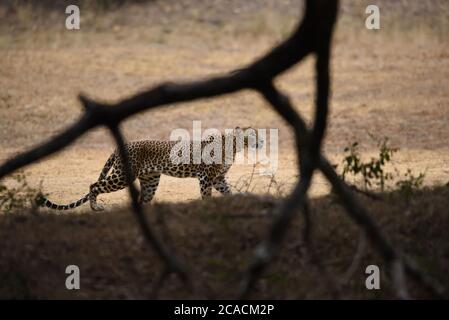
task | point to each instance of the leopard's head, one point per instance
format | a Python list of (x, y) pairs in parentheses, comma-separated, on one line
[(251, 137)]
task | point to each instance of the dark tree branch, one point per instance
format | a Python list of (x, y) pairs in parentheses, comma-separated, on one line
[(296, 200), (314, 257), (361, 247), (172, 263), (51, 146), (266, 250)]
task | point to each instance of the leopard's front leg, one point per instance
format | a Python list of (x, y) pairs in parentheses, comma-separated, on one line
[(148, 186), (205, 185), (220, 184)]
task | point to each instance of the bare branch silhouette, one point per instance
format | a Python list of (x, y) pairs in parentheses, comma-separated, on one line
[(172, 263), (361, 247)]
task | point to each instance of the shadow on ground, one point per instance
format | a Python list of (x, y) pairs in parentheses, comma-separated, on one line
[(216, 238)]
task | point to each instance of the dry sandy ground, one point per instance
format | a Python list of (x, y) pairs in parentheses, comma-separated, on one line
[(383, 84)]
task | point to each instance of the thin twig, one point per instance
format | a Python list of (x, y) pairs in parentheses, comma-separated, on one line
[(314, 258), (399, 281), (367, 193), (172, 263), (361, 247)]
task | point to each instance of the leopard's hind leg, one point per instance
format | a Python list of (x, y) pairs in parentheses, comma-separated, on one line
[(114, 182)]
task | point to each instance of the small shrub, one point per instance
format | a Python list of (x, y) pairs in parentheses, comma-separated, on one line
[(373, 172), (19, 196), (410, 182)]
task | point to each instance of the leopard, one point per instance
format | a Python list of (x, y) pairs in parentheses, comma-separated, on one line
[(149, 159)]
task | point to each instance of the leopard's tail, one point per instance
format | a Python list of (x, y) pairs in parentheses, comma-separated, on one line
[(107, 166), (44, 202)]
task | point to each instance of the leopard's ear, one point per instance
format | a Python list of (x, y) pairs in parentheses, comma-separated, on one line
[(209, 138), (237, 130)]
